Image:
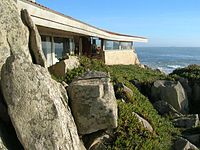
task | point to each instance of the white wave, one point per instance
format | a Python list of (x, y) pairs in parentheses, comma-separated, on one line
[(174, 66)]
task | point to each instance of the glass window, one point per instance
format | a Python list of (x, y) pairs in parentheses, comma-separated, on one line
[(59, 47), (63, 46), (111, 45), (46, 45), (126, 45)]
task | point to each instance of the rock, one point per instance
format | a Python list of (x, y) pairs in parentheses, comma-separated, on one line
[(193, 138), (136, 84), (34, 40), (196, 93), (183, 144), (99, 140), (13, 34), (123, 92), (144, 122), (64, 84), (93, 102), (61, 68), (171, 92), (2, 145), (186, 121), (37, 106), (164, 108), (127, 91), (3, 109), (8, 137), (184, 82)]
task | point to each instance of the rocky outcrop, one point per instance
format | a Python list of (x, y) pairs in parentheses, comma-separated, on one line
[(34, 40), (186, 121), (171, 92), (144, 122), (183, 144), (164, 108), (61, 68), (37, 106), (93, 102), (13, 34)]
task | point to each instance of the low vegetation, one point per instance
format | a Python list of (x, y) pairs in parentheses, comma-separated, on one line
[(130, 134), (192, 72)]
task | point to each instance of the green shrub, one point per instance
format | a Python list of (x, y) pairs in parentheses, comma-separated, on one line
[(130, 133), (192, 72)]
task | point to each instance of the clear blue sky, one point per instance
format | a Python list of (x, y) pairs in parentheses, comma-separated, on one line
[(163, 22)]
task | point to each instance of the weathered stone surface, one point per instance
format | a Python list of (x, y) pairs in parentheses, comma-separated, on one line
[(123, 92), (99, 140), (144, 122), (185, 84), (196, 93), (2, 145), (193, 138), (183, 144), (93, 102), (34, 40), (171, 92), (8, 138), (13, 33), (61, 68), (4, 112), (186, 121), (37, 106), (164, 108)]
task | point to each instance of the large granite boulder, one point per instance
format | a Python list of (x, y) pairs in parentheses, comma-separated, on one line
[(171, 92), (13, 34), (37, 106), (34, 40), (93, 102)]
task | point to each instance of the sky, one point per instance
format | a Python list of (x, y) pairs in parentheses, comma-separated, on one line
[(166, 23)]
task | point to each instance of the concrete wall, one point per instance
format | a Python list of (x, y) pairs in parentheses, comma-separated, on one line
[(117, 57)]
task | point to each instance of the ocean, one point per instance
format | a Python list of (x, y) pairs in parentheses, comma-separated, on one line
[(168, 58)]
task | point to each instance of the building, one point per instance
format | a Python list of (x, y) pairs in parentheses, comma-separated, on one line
[(63, 35)]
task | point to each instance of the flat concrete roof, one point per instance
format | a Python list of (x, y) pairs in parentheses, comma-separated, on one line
[(47, 17)]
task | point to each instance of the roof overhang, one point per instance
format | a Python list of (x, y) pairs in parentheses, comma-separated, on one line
[(46, 17)]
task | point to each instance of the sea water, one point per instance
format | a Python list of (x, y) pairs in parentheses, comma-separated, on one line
[(168, 58)]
